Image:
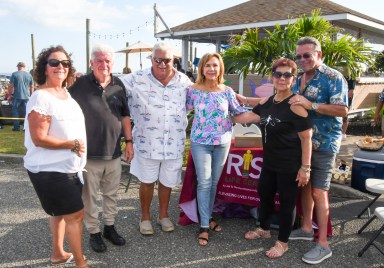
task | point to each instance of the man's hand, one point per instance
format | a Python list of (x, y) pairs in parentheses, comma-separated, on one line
[(300, 100), (128, 152)]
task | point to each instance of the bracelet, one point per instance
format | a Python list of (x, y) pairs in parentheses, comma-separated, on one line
[(246, 101), (129, 140), (306, 170), (77, 146)]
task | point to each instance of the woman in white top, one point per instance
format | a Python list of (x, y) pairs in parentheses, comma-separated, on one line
[(55, 139)]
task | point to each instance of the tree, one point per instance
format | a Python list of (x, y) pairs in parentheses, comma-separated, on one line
[(379, 62), (250, 53)]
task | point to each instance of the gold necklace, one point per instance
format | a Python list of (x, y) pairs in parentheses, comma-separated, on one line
[(278, 101)]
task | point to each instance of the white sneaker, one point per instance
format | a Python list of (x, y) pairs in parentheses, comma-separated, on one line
[(344, 137)]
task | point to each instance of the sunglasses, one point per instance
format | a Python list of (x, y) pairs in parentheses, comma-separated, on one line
[(305, 56), (160, 60), (55, 63), (278, 75)]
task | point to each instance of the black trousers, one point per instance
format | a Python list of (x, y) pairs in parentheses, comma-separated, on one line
[(285, 184)]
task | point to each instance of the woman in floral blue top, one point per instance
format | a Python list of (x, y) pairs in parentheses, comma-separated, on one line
[(214, 104)]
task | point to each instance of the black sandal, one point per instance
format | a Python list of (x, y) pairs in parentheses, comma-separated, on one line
[(202, 231), (216, 227)]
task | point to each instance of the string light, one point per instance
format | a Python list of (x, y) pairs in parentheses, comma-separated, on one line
[(122, 35)]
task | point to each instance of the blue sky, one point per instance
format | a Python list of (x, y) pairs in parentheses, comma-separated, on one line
[(115, 23)]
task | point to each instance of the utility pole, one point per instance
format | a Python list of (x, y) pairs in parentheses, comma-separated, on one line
[(155, 20), (33, 56), (88, 22), (126, 56)]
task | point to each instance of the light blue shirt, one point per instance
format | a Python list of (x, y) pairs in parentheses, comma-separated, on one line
[(327, 86), (22, 82)]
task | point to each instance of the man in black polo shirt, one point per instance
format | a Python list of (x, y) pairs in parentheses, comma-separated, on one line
[(102, 97)]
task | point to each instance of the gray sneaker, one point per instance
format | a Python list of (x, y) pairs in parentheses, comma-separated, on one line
[(299, 234), (317, 255)]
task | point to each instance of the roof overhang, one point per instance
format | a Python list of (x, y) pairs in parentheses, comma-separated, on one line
[(208, 35)]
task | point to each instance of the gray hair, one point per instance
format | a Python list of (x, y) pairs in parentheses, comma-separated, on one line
[(309, 40), (162, 46), (103, 48)]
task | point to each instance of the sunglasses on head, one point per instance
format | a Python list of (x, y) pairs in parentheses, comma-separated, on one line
[(160, 60), (278, 75), (55, 63), (305, 56)]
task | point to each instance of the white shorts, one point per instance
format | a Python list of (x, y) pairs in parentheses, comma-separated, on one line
[(168, 172)]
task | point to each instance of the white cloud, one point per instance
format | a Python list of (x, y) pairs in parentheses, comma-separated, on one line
[(3, 12)]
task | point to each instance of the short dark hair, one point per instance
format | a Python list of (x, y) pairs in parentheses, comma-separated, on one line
[(41, 64), (309, 40), (285, 62)]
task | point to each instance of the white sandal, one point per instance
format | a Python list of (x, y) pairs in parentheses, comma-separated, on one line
[(257, 233), (277, 250)]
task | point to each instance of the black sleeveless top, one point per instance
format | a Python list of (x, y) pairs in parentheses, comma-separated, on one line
[(279, 128)]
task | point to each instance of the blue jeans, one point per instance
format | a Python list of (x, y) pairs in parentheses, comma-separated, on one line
[(16, 105), (209, 161)]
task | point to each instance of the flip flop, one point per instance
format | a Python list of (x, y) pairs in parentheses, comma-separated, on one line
[(70, 260), (257, 233), (277, 251)]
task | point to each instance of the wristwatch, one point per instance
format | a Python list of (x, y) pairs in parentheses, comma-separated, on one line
[(127, 141), (315, 106)]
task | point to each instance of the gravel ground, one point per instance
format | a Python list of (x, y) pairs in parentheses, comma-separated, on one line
[(25, 236)]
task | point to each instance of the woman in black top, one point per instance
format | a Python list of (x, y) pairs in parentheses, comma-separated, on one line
[(286, 133)]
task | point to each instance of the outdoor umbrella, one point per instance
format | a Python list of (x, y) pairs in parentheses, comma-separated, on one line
[(137, 47)]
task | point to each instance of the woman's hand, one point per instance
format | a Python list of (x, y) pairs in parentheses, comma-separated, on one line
[(78, 147), (82, 148), (303, 177)]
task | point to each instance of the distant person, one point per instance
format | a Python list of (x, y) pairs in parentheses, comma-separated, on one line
[(177, 65), (190, 76), (214, 103), (379, 107), (156, 97), (127, 70), (56, 154), (21, 88), (103, 100)]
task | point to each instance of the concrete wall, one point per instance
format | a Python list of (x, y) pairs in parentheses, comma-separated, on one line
[(366, 92)]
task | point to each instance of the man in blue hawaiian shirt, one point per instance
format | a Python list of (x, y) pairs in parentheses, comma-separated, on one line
[(323, 91)]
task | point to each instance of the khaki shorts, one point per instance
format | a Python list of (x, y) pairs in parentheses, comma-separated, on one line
[(168, 172)]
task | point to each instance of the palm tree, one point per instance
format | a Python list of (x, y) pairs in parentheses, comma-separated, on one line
[(252, 54)]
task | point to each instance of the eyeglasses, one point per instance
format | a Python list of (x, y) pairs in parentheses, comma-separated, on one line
[(55, 63), (160, 60), (305, 56), (278, 75)]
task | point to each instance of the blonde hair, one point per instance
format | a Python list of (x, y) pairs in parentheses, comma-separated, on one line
[(203, 61)]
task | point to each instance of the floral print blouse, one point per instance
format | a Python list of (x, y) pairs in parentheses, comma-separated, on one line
[(212, 123)]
